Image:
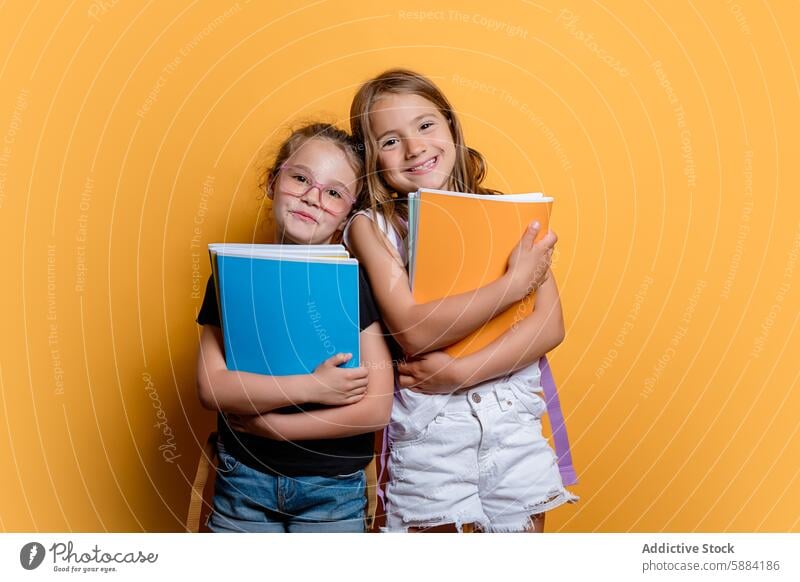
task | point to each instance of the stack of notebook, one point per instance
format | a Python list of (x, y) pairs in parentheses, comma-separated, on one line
[(285, 309), (459, 242)]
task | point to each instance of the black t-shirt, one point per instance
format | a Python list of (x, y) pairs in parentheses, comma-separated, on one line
[(327, 457)]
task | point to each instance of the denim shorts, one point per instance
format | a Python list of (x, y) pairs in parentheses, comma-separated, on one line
[(482, 460), (248, 500)]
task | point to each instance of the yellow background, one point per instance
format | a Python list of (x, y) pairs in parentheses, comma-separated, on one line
[(667, 133)]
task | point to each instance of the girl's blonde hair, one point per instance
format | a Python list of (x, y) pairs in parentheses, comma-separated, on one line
[(468, 172), (351, 148)]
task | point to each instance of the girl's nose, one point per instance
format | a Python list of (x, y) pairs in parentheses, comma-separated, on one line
[(313, 199), (414, 147)]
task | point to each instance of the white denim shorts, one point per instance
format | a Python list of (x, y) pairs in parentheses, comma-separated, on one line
[(482, 460)]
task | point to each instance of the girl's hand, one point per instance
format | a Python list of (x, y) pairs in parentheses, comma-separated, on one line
[(434, 373), (263, 425), (337, 386), (529, 262)]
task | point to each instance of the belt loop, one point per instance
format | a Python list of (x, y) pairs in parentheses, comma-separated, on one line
[(503, 395)]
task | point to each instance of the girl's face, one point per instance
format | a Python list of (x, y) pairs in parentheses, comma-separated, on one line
[(414, 143), (312, 194)]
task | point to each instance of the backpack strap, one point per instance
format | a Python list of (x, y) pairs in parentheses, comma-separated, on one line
[(376, 481), (372, 492), (207, 457), (557, 425)]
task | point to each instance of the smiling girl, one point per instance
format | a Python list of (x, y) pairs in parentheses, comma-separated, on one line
[(292, 449), (465, 438)]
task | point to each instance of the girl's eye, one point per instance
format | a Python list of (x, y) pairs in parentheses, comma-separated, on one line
[(301, 178), (426, 125), (389, 143), (333, 193)]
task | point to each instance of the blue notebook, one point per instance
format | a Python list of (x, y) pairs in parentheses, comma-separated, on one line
[(285, 309)]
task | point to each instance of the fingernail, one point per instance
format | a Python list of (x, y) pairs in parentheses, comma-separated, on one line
[(535, 224)]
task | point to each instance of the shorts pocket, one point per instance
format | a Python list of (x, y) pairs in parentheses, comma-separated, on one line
[(226, 463), (355, 474), (528, 407), (416, 438)]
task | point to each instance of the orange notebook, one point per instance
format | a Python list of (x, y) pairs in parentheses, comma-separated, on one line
[(459, 242)]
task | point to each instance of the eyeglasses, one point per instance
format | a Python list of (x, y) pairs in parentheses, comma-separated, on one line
[(334, 198)]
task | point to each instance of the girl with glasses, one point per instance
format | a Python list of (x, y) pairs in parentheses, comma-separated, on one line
[(292, 449)]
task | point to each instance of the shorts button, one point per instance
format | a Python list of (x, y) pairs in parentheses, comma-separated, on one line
[(476, 397)]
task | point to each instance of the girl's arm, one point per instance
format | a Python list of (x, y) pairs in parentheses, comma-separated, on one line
[(421, 327), (518, 347), (368, 415), (244, 393)]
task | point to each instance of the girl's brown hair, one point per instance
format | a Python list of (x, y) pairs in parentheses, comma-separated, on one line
[(327, 131), (469, 170)]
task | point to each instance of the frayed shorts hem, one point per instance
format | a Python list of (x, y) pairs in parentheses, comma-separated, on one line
[(512, 523), (395, 524), (519, 522)]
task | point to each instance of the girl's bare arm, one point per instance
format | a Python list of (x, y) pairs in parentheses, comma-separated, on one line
[(520, 346), (527, 341), (244, 393), (368, 415), (421, 327)]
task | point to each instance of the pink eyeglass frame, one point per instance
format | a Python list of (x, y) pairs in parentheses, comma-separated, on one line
[(321, 187)]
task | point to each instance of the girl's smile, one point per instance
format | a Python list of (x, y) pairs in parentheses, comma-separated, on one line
[(424, 167), (303, 216)]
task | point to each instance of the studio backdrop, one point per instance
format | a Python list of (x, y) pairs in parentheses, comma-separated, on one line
[(131, 134)]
